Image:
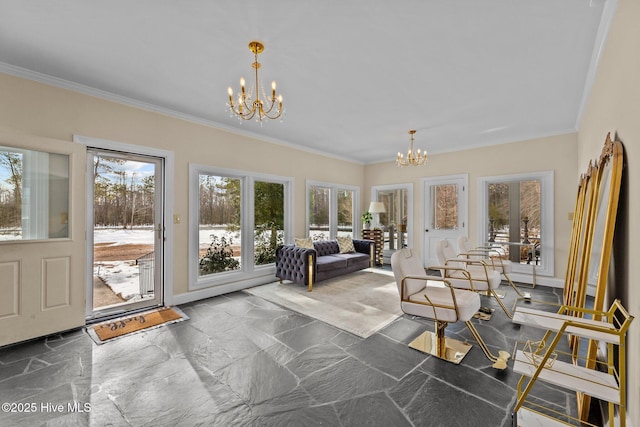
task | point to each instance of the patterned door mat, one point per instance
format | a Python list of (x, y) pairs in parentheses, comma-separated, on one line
[(115, 328)]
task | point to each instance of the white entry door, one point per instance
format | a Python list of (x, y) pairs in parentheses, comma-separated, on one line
[(42, 241), (445, 212), (127, 219)]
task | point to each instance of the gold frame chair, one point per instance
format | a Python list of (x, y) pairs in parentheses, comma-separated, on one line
[(435, 298), (471, 274), (493, 255)]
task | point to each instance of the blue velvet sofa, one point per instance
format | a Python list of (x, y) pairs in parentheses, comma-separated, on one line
[(307, 266)]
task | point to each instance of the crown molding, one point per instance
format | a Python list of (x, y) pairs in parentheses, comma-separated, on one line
[(109, 96)]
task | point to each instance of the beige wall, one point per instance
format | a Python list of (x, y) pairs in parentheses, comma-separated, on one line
[(38, 109), (614, 106), (556, 153)]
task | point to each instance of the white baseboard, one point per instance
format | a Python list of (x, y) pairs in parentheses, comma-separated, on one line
[(218, 290), (540, 280)]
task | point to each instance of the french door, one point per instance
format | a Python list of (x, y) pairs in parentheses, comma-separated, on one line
[(125, 212), (445, 212), (41, 236)]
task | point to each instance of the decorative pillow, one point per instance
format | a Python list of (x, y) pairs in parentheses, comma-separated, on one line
[(345, 243), (304, 242)]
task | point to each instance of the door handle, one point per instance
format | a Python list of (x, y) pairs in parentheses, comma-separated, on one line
[(426, 231)]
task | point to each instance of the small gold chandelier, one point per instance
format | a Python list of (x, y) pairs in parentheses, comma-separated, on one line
[(251, 105), (413, 158)]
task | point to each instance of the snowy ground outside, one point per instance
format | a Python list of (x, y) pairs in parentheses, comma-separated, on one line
[(123, 276)]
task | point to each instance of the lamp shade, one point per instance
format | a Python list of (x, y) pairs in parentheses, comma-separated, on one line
[(377, 207)]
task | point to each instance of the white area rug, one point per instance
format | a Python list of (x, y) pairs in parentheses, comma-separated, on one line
[(361, 303)]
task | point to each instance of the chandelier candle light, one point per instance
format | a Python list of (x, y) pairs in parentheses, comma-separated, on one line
[(413, 158), (250, 105)]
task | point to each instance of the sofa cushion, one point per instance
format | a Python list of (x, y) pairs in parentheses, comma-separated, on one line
[(330, 262), (326, 247), (345, 243), (353, 258), (304, 242)]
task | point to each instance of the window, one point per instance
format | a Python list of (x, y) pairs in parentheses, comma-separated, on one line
[(330, 210), (345, 212), (396, 221), (240, 218), (319, 206), (269, 220), (445, 206), (219, 231), (34, 194), (519, 209)]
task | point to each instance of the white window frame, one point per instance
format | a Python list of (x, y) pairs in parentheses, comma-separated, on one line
[(248, 270), (333, 207), (409, 187), (547, 209)]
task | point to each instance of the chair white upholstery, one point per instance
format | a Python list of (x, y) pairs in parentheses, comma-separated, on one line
[(434, 298), (417, 283), (468, 273), (494, 257)]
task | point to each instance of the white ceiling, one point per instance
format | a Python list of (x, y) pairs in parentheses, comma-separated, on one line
[(355, 75)]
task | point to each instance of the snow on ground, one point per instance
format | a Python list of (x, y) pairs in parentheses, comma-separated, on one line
[(122, 237), (123, 277)]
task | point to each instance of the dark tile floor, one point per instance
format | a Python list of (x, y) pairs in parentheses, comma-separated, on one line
[(242, 361)]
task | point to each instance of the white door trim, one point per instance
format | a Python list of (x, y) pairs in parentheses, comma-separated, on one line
[(167, 155), (547, 209)]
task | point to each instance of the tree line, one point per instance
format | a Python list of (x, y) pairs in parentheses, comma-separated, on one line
[(529, 202), (121, 198)]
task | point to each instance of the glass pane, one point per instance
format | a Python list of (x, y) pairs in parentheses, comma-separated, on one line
[(319, 213), (445, 205), (34, 194), (514, 216), (345, 213), (394, 220), (530, 210), (219, 224), (123, 231), (498, 212), (269, 221)]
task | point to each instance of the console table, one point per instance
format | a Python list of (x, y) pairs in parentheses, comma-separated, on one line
[(378, 237)]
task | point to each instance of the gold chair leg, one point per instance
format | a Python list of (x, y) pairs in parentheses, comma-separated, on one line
[(501, 304), (522, 295), (500, 361)]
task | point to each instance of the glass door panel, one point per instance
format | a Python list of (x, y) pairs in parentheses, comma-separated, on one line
[(445, 212), (128, 233)]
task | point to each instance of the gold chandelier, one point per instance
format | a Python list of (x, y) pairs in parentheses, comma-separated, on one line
[(250, 105), (413, 158)]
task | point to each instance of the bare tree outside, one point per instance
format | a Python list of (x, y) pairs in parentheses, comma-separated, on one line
[(446, 206), (121, 198), (10, 190)]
